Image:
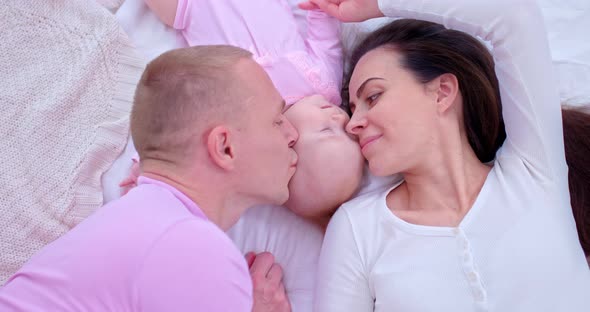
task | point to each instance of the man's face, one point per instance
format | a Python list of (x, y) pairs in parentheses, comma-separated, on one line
[(265, 154)]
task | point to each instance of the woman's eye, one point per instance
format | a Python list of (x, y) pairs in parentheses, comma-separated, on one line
[(279, 122), (371, 99)]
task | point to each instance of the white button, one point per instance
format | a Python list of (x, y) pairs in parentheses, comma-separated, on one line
[(466, 257), (472, 276), (478, 295)]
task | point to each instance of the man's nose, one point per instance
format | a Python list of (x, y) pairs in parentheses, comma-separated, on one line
[(290, 133)]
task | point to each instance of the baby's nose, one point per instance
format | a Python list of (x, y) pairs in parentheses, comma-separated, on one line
[(340, 117)]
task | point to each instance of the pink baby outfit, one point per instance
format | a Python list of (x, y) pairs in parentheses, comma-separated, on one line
[(151, 250), (298, 65)]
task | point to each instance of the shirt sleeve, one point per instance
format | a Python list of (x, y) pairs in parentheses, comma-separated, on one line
[(342, 283), (183, 14), (528, 88), (323, 42), (194, 266)]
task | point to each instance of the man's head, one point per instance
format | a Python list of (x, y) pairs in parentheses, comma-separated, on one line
[(209, 116)]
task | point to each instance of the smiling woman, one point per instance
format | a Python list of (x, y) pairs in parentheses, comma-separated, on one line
[(401, 64), (485, 193)]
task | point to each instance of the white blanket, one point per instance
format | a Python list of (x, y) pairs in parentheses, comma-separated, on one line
[(68, 75)]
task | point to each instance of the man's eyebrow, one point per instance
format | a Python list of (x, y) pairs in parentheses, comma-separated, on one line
[(360, 89)]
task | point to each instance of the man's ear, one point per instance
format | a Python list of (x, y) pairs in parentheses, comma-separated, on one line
[(220, 147), (447, 89)]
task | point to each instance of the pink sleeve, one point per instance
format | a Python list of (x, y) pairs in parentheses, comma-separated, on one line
[(323, 41), (183, 14), (194, 266)]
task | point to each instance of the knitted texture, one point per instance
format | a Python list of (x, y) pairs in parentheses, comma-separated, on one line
[(111, 5), (68, 76)]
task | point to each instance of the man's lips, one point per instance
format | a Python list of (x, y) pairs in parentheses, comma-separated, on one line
[(364, 142), (294, 161)]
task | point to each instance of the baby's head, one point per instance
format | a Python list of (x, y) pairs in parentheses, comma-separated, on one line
[(330, 164)]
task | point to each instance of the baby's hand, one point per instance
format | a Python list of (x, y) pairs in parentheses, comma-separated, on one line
[(131, 181), (267, 279)]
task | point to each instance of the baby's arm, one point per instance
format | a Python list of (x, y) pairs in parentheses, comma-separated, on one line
[(323, 40), (164, 9)]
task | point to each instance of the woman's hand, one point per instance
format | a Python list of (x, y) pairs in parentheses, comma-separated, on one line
[(345, 10)]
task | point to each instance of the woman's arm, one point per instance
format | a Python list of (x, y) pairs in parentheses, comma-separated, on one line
[(341, 280), (164, 9)]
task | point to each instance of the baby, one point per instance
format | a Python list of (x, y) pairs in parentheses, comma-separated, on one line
[(330, 162), (307, 71)]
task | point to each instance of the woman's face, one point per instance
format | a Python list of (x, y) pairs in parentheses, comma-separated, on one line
[(394, 116), (330, 164)]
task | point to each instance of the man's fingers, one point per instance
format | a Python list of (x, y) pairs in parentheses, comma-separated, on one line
[(275, 275), (262, 264), (250, 258), (281, 292), (281, 296)]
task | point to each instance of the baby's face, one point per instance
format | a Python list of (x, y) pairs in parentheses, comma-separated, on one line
[(330, 164)]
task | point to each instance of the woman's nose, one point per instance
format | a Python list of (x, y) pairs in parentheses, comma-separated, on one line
[(357, 123)]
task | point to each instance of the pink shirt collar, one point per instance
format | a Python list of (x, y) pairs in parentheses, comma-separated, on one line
[(186, 201)]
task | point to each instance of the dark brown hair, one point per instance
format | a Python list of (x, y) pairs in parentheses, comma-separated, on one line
[(576, 133), (429, 50)]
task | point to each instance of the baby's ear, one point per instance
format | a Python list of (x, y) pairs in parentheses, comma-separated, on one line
[(221, 148)]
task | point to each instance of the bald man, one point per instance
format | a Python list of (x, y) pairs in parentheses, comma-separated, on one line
[(209, 128)]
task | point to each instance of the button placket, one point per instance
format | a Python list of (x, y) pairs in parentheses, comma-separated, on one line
[(469, 269)]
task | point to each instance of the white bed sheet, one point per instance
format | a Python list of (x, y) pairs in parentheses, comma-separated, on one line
[(295, 242)]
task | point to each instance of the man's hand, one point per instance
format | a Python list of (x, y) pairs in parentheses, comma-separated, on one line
[(345, 10), (267, 279)]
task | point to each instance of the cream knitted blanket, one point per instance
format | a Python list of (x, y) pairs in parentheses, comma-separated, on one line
[(67, 77)]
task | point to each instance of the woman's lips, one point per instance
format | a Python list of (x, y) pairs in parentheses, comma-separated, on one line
[(366, 141)]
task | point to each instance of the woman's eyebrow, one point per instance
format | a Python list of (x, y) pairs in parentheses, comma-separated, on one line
[(360, 89)]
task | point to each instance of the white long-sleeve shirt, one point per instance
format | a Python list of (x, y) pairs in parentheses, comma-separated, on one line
[(517, 248)]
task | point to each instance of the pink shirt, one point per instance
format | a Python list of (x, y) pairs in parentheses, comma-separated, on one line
[(298, 64), (151, 250)]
